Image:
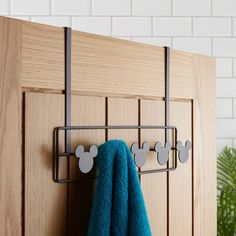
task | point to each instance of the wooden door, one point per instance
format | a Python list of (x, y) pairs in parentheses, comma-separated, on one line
[(114, 82)]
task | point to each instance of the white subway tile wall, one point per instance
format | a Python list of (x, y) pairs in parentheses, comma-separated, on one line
[(224, 67), (224, 108), (234, 67), (94, 24), (234, 26), (234, 107), (70, 7), (60, 21), (131, 26), (224, 47), (200, 26), (222, 143), (159, 41), (30, 7), (195, 45), (191, 7), (224, 8), (172, 26), (110, 7), (226, 128), (212, 26), (4, 7), (151, 7), (226, 87)]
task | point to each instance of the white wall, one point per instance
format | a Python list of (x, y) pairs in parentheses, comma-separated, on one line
[(201, 26)]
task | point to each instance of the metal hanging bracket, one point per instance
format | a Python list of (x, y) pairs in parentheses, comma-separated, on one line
[(86, 159)]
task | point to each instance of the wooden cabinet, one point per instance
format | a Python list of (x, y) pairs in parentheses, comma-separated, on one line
[(114, 82)]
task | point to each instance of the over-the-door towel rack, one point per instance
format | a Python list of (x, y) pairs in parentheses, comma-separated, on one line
[(86, 159)]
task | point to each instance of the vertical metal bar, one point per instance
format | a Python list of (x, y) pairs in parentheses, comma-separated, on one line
[(167, 103), (167, 91), (67, 88), (175, 151)]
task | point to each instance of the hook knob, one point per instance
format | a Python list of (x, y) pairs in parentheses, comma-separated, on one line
[(139, 153), (183, 150), (162, 152), (86, 158)]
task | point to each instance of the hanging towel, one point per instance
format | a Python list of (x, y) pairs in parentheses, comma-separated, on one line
[(118, 207)]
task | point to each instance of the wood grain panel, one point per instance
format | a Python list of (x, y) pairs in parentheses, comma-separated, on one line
[(101, 64), (109, 62), (45, 201), (123, 112), (86, 110), (204, 124), (154, 186), (180, 180), (10, 128), (42, 56), (181, 74)]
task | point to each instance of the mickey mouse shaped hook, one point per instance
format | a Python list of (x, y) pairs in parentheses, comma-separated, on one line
[(162, 152), (86, 158), (139, 153), (183, 150)]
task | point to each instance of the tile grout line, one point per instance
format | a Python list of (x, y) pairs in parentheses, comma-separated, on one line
[(211, 8), (152, 26), (130, 16), (233, 108), (225, 98), (131, 6), (111, 20), (192, 26), (50, 7), (220, 138), (232, 27), (230, 78), (233, 72), (184, 37), (226, 118), (212, 48)]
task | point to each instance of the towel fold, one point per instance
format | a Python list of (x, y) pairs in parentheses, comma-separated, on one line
[(118, 206)]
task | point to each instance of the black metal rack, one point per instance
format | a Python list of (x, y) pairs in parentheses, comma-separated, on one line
[(86, 159)]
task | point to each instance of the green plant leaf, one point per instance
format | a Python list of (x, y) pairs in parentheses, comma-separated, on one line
[(226, 197)]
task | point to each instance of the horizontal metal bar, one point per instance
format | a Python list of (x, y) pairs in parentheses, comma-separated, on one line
[(64, 154), (145, 172), (115, 127)]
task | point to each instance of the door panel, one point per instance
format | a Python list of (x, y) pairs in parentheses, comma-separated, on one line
[(45, 201), (180, 180), (49, 207), (154, 186), (86, 110), (10, 128), (123, 112), (166, 194)]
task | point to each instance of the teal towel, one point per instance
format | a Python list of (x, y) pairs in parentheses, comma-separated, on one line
[(118, 207)]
